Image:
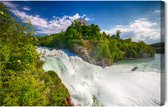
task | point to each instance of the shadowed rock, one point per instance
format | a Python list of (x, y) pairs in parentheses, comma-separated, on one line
[(135, 68)]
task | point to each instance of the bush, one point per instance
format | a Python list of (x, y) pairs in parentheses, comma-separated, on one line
[(21, 82)]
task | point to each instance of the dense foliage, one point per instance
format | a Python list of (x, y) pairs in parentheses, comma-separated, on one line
[(22, 80), (159, 47), (100, 46)]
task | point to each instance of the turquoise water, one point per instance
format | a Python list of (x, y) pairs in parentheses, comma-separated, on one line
[(156, 63)]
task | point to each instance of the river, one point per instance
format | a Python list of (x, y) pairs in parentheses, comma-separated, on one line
[(115, 85)]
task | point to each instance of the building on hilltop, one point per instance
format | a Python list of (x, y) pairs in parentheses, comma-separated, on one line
[(83, 22), (79, 22)]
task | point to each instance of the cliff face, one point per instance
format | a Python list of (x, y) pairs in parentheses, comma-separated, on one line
[(88, 55), (82, 52)]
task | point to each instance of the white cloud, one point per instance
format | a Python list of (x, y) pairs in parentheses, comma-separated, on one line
[(35, 20), (88, 19), (76, 16), (9, 4), (44, 26), (157, 11), (140, 29), (26, 8)]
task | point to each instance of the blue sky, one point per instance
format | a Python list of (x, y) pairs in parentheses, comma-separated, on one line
[(138, 20)]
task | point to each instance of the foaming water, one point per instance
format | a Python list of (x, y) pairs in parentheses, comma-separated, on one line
[(115, 85)]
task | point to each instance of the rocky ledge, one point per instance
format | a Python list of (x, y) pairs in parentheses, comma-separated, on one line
[(87, 55)]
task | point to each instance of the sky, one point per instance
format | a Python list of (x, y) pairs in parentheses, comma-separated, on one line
[(136, 20)]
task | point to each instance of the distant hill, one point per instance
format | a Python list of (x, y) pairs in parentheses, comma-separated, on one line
[(159, 47)]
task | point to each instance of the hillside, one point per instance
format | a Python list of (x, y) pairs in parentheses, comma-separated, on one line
[(159, 47), (95, 47), (23, 81)]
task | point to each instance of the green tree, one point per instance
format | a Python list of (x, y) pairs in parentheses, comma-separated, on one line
[(118, 34), (21, 75)]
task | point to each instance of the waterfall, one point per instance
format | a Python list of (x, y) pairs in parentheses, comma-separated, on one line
[(112, 86)]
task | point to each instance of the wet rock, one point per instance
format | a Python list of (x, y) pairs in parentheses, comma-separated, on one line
[(135, 68), (82, 52), (68, 102)]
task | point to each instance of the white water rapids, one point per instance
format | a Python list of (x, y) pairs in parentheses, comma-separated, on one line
[(112, 86)]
